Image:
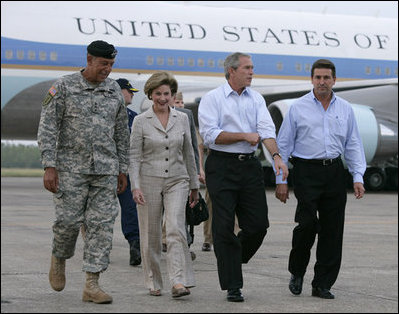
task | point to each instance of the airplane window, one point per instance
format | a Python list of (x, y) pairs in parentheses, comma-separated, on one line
[(150, 60), (160, 60), (378, 70), (31, 55), (279, 66), (200, 62), (298, 67), (211, 63), (221, 63), (387, 71), (53, 56), (308, 67), (191, 62), (42, 55), (20, 54), (368, 70), (180, 61), (396, 71), (9, 54), (171, 61)]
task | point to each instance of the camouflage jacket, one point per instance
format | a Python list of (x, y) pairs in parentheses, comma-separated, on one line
[(84, 128)]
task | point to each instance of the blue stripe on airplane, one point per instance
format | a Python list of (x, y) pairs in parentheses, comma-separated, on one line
[(21, 52)]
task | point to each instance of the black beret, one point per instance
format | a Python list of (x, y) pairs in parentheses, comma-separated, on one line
[(102, 49)]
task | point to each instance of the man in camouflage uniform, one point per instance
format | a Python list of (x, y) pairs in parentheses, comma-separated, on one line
[(83, 138)]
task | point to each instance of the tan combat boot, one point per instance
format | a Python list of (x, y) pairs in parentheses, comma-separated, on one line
[(57, 273), (92, 292)]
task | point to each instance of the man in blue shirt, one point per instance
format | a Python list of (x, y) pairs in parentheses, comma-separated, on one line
[(318, 129), (129, 221), (233, 119)]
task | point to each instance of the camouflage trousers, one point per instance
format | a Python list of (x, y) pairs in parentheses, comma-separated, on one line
[(90, 200)]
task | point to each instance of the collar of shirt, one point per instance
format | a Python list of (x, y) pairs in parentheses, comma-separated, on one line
[(229, 91), (333, 98), (100, 87)]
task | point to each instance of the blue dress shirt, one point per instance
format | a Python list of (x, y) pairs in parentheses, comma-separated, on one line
[(222, 109), (310, 132)]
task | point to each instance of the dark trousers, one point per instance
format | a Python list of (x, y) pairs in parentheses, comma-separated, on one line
[(129, 221), (321, 194), (236, 187)]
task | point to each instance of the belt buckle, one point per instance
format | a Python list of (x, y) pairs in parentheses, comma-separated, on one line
[(327, 162), (241, 157)]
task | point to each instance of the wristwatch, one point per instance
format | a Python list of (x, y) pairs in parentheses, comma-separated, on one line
[(276, 154)]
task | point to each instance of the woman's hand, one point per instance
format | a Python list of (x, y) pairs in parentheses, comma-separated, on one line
[(193, 199), (138, 196)]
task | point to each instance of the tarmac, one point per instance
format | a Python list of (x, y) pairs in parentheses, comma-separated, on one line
[(367, 283)]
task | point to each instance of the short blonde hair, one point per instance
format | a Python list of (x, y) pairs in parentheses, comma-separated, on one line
[(158, 79)]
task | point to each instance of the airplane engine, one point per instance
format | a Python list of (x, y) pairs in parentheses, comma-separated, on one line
[(380, 142)]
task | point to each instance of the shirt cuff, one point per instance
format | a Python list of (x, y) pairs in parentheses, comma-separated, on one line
[(279, 179), (357, 177)]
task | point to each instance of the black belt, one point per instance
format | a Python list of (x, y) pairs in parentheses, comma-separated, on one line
[(240, 157), (320, 162)]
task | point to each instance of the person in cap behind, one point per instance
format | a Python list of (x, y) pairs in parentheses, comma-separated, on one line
[(179, 102), (84, 141), (129, 221), (128, 92)]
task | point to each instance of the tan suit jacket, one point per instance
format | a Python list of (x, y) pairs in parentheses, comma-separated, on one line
[(159, 152)]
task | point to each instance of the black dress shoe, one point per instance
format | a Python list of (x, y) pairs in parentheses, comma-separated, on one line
[(206, 247), (295, 284), (322, 293), (135, 256), (234, 295)]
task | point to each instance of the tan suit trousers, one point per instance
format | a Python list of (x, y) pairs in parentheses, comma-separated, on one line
[(170, 194)]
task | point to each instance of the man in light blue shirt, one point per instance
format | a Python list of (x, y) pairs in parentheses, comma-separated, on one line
[(233, 119), (318, 129)]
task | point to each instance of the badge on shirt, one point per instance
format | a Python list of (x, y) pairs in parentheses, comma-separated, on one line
[(51, 93)]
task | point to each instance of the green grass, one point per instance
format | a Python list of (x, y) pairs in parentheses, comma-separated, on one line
[(21, 172)]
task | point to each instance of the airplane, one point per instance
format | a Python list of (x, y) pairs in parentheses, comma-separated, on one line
[(42, 41)]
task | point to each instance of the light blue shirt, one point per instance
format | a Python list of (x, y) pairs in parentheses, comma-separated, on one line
[(310, 132), (222, 109)]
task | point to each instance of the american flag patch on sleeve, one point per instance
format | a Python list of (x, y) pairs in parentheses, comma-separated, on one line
[(52, 91)]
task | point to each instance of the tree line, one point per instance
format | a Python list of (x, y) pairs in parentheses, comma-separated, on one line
[(20, 156)]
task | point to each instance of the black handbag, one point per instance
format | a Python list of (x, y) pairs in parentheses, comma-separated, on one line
[(197, 214)]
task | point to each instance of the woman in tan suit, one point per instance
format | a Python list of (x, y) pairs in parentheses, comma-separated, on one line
[(163, 174)]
